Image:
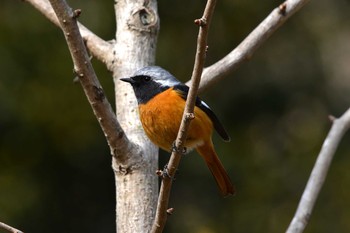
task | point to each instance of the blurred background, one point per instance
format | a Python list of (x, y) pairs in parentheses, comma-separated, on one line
[(55, 166)]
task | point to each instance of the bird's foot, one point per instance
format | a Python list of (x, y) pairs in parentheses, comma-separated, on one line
[(182, 150), (165, 173)]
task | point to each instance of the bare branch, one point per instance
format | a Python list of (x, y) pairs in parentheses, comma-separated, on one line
[(116, 138), (319, 173), (244, 51), (164, 194), (9, 228), (98, 47)]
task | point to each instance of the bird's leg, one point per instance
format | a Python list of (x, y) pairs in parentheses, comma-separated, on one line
[(165, 172)]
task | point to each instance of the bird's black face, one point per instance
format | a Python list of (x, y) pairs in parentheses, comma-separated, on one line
[(150, 81), (137, 81), (145, 87)]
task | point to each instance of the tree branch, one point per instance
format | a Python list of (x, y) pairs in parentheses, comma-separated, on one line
[(9, 228), (319, 173), (245, 50), (116, 138), (164, 194), (98, 47)]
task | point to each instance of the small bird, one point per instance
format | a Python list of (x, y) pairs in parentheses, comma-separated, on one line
[(161, 100)]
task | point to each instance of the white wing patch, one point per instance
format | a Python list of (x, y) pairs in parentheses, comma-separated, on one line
[(203, 103)]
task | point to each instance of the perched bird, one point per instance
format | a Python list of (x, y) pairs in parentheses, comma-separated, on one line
[(161, 99)]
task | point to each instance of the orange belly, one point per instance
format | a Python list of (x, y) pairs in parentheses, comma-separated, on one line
[(161, 118)]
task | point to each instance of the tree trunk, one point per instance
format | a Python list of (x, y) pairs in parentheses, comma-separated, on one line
[(136, 181)]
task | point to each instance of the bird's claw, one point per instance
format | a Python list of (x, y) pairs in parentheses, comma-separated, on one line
[(174, 148), (165, 173)]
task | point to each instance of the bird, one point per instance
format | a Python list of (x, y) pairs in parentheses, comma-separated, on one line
[(161, 102)]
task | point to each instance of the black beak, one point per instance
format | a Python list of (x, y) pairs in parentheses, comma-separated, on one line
[(128, 80)]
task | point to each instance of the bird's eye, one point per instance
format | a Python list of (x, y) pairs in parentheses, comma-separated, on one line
[(146, 78)]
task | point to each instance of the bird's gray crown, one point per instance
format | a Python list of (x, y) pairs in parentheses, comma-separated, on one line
[(159, 75)]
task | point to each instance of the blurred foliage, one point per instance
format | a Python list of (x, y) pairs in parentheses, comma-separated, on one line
[(55, 172)]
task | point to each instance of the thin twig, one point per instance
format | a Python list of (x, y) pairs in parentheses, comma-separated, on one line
[(164, 194), (245, 50), (9, 228), (116, 138), (98, 47), (319, 173)]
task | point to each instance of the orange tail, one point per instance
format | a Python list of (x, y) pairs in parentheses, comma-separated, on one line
[(217, 169)]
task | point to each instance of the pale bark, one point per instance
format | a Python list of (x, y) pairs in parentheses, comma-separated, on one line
[(136, 181)]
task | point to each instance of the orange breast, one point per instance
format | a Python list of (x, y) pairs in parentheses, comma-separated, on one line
[(161, 118)]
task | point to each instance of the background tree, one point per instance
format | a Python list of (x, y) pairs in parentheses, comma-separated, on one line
[(284, 101)]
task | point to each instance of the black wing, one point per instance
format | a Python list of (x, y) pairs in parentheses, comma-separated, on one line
[(183, 91)]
